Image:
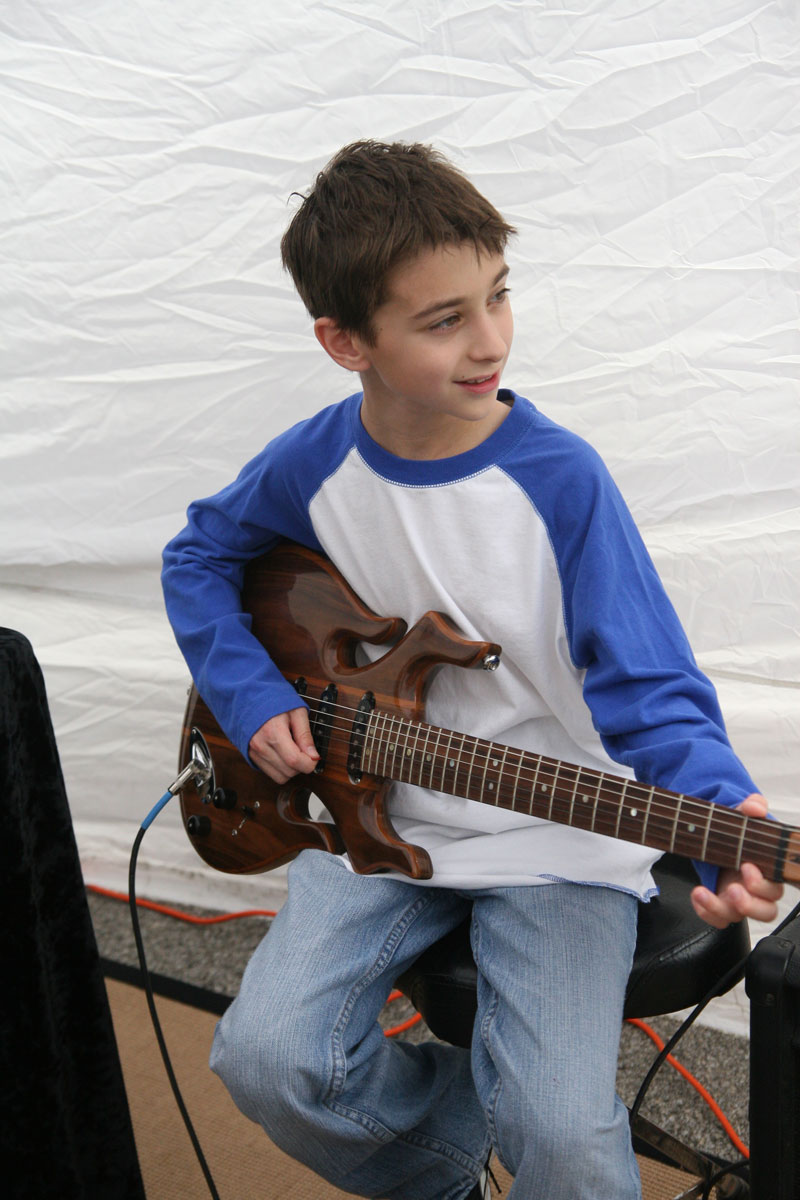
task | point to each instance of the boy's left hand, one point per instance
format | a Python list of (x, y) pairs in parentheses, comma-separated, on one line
[(744, 893)]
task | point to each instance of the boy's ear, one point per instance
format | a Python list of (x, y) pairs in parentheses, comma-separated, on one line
[(345, 348)]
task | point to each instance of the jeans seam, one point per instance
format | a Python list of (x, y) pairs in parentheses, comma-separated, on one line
[(381, 961), (446, 1150), (420, 1140), (365, 1120), (331, 1101), (484, 1032)]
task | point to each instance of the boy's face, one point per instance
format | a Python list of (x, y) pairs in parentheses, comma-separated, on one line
[(442, 339)]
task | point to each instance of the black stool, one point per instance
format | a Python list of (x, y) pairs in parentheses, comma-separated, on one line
[(678, 960)]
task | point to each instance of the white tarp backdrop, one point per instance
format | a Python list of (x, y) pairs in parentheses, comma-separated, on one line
[(151, 344)]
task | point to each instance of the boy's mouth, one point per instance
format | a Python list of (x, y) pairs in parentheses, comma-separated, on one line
[(480, 383)]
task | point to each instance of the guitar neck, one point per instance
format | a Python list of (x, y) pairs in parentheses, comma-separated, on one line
[(520, 781)]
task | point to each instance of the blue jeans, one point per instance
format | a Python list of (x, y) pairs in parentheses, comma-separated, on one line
[(302, 1053)]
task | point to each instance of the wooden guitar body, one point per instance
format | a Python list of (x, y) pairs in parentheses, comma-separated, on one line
[(311, 622)]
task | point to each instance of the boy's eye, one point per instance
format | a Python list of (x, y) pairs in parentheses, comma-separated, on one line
[(446, 322), (452, 320)]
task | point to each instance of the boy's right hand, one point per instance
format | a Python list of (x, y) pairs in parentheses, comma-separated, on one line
[(284, 747)]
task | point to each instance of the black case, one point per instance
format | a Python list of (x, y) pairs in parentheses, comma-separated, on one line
[(772, 981)]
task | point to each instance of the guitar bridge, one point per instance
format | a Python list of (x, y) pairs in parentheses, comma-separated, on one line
[(357, 735)]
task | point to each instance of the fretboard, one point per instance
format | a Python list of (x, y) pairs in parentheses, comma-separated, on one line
[(520, 781)]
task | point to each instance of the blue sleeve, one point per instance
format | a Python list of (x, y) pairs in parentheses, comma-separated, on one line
[(203, 569), (654, 710)]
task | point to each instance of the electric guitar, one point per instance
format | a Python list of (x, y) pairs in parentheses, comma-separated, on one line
[(369, 728)]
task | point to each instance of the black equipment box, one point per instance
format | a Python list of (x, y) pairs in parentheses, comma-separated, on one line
[(772, 981)]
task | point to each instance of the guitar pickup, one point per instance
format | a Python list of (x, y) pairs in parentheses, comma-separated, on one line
[(321, 723), (357, 735)]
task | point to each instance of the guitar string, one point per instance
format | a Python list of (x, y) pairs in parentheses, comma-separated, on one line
[(690, 806)]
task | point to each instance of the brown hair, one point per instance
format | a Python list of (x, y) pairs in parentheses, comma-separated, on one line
[(374, 206)]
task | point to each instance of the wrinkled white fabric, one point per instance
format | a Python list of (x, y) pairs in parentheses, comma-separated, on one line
[(149, 152)]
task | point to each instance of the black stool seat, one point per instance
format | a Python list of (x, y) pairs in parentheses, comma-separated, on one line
[(678, 959)]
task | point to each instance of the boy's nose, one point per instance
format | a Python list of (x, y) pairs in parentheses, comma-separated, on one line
[(488, 344)]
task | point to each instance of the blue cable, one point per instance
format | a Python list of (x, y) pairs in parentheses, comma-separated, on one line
[(155, 810)]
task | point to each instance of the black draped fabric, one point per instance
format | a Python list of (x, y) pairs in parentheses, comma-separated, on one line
[(65, 1129)]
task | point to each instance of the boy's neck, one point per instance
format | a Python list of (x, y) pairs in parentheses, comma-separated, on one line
[(428, 439)]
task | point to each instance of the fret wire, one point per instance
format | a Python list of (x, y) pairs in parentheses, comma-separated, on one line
[(458, 760), (485, 770), (705, 836), (675, 822), (424, 752), (535, 779), (434, 756), (515, 784), (382, 746), (458, 755), (369, 741), (396, 731), (410, 749), (416, 760), (377, 742), (388, 742), (533, 788), (406, 753), (445, 761), (647, 816), (500, 772), (596, 801), (397, 737), (621, 807), (553, 791), (426, 755), (468, 785), (366, 753), (574, 795), (741, 843)]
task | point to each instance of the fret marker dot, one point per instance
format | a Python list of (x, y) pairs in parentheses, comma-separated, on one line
[(491, 786), (585, 799), (691, 828), (451, 762), (408, 752), (428, 757), (634, 812), (495, 762)]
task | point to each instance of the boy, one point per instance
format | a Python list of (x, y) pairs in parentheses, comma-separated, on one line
[(434, 489)]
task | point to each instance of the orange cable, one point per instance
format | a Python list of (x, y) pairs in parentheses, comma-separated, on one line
[(396, 995), (709, 1099), (403, 1027), (176, 913)]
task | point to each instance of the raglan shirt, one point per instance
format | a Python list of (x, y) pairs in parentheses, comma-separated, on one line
[(524, 541)]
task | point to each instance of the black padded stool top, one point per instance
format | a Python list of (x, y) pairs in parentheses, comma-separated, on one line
[(678, 959)]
